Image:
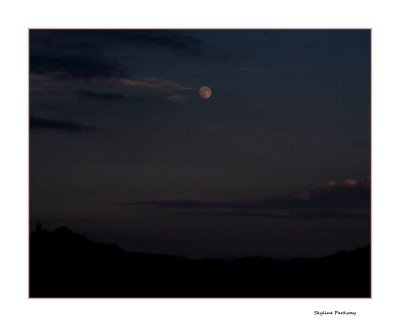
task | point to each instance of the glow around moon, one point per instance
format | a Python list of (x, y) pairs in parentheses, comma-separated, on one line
[(205, 92)]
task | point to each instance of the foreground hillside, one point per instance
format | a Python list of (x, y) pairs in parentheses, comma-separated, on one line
[(65, 264)]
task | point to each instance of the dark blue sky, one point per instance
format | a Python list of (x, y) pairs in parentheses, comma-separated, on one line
[(275, 163)]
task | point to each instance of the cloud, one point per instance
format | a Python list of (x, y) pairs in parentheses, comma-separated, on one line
[(173, 41), (92, 95), (65, 55), (177, 98), (74, 66), (350, 182), (284, 213), (184, 204), (154, 84), (340, 200), (303, 195), (100, 96), (338, 196), (169, 40), (52, 124), (82, 67)]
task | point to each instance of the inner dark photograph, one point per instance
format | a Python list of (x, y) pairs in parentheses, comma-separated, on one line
[(200, 163)]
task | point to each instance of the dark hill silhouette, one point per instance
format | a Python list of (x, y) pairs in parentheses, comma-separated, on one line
[(66, 264)]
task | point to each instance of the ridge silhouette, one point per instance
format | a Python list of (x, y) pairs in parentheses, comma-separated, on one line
[(66, 264)]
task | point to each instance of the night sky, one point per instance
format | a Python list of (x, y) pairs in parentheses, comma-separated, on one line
[(275, 163)]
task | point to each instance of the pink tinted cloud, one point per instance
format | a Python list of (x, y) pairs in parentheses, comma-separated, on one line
[(303, 195), (176, 98), (350, 182), (154, 84)]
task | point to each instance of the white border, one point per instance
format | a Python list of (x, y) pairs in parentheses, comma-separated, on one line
[(18, 16)]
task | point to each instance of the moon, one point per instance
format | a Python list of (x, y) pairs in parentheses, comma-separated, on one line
[(204, 92)]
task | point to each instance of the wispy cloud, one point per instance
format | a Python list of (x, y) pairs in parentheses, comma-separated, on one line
[(100, 96), (173, 41), (168, 39), (74, 66), (154, 84), (350, 182), (170, 90), (339, 200), (177, 98), (283, 213), (54, 52), (66, 56), (52, 124)]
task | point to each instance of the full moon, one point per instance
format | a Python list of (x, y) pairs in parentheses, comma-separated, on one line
[(204, 92)]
